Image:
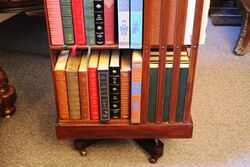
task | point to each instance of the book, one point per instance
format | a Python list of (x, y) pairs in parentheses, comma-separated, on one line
[(136, 18), (93, 85), (54, 21), (114, 84), (83, 86), (61, 85), (125, 83), (78, 20), (67, 22), (109, 11), (89, 21), (123, 23), (103, 85), (73, 85), (99, 21), (184, 65), (136, 80)]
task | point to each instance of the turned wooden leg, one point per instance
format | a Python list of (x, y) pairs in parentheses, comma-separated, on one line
[(81, 145), (244, 37), (154, 147)]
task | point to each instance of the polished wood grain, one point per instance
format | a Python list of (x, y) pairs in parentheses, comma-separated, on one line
[(121, 131), (193, 60)]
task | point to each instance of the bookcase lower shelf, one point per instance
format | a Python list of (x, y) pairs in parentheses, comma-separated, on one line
[(123, 131)]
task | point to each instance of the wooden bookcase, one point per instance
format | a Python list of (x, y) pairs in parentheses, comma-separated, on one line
[(116, 129)]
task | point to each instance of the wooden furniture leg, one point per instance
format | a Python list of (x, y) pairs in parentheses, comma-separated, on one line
[(82, 144), (8, 96), (154, 147), (244, 37)]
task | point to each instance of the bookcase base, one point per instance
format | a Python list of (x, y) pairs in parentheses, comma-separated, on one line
[(126, 131)]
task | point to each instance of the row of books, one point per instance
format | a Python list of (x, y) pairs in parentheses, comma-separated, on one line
[(81, 22), (99, 85)]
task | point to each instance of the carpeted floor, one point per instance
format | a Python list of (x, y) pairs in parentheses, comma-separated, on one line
[(220, 109)]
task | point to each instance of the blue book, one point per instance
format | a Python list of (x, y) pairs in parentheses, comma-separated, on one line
[(136, 14), (123, 23)]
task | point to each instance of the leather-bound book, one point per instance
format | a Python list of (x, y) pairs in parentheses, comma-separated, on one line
[(109, 11), (61, 85), (78, 20), (73, 85), (99, 22), (83, 86), (89, 21), (93, 85), (125, 83), (55, 22), (67, 22), (103, 85), (114, 84)]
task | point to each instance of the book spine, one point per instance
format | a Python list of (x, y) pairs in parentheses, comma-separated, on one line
[(67, 22), (114, 84), (152, 94), (78, 20), (103, 80), (93, 94), (73, 95), (181, 93), (62, 94), (55, 22), (167, 94), (89, 21), (99, 21), (125, 81), (123, 23), (136, 92), (84, 95), (136, 14), (109, 21)]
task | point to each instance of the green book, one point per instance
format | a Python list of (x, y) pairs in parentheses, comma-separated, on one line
[(67, 21), (184, 66), (89, 21)]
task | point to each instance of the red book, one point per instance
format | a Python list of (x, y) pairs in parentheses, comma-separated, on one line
[(55, 22), (93, 85), (109, 21), (78, 20)]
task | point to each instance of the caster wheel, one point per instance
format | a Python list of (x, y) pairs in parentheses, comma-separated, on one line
[(152, 160), (83, 153)]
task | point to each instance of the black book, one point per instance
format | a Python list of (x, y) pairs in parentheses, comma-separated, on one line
[(99, 21), (114, 84)]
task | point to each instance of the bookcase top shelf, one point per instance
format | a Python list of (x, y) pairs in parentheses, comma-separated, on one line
[(62, 47)]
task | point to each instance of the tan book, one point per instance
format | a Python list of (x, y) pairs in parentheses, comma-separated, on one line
[(61, 85), (83, 86), (125, 83), (73, 86)]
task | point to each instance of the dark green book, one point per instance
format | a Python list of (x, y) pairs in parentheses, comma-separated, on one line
[(67, 21), (184, 66)]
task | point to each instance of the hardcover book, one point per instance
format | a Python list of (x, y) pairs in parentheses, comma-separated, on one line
[(136, 80), (125, 83), (89, 21), (73, 85), (67, 21), (93, 85), (78, 19), (99, 21), (55, 22), (61, 85), (109, 9), (103, 84), (114, 84), (184, 65), (136, 17), (123, 23), (83, 86)]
